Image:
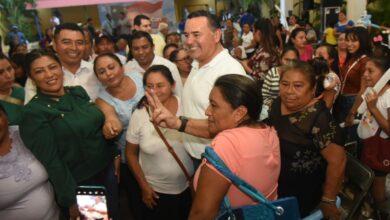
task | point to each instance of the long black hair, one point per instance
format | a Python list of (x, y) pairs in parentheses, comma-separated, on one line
[(359, 34)]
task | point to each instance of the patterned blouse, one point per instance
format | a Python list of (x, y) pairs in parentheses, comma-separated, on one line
[(261, 62), (302, 136)]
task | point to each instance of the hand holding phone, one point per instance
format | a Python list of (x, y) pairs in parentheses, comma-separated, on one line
[(92, 202)]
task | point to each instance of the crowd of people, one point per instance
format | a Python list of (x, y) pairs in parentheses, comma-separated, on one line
[(93, 108)]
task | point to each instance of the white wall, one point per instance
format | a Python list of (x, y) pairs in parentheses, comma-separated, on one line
[(355, 9)]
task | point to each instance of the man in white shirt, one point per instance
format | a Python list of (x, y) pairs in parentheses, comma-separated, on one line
[(142, 50), (211, 61), (69, 43), (143, 23), (105, 44)]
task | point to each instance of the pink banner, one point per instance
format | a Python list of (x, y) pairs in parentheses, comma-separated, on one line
[(68, 3)]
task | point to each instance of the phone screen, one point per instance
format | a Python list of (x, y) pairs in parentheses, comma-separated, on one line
[(92, 203)]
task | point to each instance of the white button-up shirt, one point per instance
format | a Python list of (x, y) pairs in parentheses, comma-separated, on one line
[(84, 77), (133, 66), (196, 93)]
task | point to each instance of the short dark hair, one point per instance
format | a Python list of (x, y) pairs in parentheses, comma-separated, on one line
[(100, 38), (4, 57), (294, 33), (165, 72), (67, 26), (138, 18), (173, 56), (382, 63), (111, 55), (166, 47), (302, 67), (18, 59), (211, 18), (239, 90), (36, 54), (141, 34)]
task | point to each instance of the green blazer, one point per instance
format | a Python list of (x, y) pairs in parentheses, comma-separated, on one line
[(65, 134)]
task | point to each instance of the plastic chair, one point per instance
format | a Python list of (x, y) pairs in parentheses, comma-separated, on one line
[(317, 215), (357, 183)]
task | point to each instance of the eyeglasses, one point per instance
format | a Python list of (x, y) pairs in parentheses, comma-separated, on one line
[(187, 58)]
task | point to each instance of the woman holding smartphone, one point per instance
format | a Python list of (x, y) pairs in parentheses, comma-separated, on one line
[(63, 129)]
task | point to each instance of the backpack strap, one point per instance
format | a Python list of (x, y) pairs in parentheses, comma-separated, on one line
[(243, 186)]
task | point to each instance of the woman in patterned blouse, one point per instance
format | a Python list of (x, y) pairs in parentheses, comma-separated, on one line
[(266, 55), (313, 161)]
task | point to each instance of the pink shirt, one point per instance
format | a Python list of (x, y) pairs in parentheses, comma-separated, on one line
[(253, 154), (308, 54)]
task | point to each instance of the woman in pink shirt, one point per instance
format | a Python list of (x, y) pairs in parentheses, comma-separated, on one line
[(298, 40), (248, 147)]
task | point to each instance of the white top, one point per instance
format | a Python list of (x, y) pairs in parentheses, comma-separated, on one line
[(161, 170), (247, 40), (196, 93), (122, 58), (133, 66), (25, 191), (84, 77), (368, 126)]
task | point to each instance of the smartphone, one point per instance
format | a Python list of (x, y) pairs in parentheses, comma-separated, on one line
[(92, 202)]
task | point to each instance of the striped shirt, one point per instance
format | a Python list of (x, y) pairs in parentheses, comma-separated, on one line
[(270, 89)]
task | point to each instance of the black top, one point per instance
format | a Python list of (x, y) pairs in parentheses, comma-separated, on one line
[(302, 136)]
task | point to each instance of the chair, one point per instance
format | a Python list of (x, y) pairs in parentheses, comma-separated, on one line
[(357, 183)]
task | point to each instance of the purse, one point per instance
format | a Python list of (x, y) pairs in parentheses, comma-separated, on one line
[(376, 152), (173, 153), (281, 209)]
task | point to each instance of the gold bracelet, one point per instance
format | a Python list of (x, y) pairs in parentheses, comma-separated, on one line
[(328, 201)]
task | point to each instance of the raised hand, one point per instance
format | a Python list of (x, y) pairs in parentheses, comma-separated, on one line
[(159, 114)]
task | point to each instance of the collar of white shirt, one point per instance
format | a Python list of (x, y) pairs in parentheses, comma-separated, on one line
[(218, 58), (85, 67)]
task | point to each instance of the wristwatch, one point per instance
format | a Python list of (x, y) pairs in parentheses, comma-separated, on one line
[(183, 125)]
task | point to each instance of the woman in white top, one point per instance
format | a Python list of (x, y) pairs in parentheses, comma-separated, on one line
[(164, 187), (374, 128), (25, 192)]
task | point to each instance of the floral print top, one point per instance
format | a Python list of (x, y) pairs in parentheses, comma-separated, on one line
[(261, 62), (302, 136)]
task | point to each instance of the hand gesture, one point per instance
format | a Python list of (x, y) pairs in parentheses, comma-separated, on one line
[(149, 197), (371, 100), (111, 128), (159, 114)]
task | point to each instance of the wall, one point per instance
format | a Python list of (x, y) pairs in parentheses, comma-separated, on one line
[(355, 9), (71, 14)]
